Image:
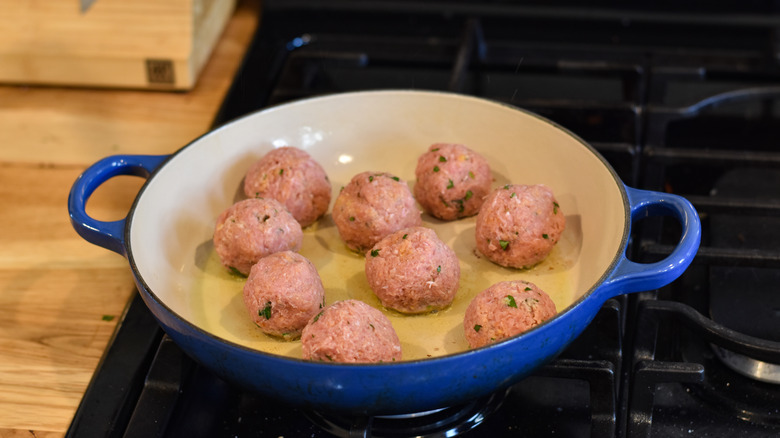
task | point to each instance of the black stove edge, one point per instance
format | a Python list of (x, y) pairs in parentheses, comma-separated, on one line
[(716, 12), (121, 370), (251, 82)]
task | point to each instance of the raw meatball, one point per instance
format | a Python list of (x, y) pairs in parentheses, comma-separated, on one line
[(371, 206), (505, 309), (292, 177), (254, 228), (350, 331), (413, 271), (452, 181), (283, 292), (518, 225)]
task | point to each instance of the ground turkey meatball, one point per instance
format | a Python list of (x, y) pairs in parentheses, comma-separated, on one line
[(518, 225), (283, 292), (254, 228), (371, 206), (413, 271), (350, 331), (292, 177), (505, 309), (452, 181)]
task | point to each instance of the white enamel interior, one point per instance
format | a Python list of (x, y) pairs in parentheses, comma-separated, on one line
[(173, 219)]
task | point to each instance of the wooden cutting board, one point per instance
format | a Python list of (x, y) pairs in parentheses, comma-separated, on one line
[(146, 44)]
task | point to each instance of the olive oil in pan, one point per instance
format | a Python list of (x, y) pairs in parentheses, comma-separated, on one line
[(217, 299)]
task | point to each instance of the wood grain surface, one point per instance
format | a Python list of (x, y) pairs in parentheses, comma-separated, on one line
[(61, 297)]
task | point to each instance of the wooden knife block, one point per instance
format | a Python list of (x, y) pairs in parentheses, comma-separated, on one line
[(148, 44)]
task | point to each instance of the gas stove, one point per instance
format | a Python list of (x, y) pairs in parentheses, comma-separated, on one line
[(676, 100)]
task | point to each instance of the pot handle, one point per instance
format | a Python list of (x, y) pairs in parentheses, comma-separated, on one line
[(109, 235), (630, 276)]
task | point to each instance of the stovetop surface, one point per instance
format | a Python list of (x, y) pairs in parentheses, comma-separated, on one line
[(675, 99)]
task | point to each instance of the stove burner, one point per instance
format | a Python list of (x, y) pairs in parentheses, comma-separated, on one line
[(743, 298), (749, 367), (437, 423), (738, 394)]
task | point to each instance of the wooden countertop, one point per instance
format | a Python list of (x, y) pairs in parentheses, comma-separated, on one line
[(60, 297)]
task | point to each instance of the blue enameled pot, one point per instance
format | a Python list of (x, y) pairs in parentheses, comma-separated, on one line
[(166, 238)]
